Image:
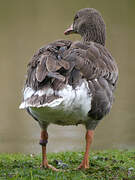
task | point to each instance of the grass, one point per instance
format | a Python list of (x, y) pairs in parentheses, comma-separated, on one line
[(104, 165)]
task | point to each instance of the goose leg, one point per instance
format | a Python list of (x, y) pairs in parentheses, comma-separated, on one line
[(43, 142), (85, 162)]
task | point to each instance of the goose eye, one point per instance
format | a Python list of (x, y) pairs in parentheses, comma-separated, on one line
[(76, 17)]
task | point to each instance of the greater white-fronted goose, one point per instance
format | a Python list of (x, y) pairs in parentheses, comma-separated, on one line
[(71, 83)]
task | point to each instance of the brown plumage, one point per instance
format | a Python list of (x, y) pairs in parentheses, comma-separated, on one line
[(70, 83)]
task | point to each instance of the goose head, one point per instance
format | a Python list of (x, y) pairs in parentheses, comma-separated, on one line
[(89, 23)]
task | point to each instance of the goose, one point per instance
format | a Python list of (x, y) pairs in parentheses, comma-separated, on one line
[(71, 83)]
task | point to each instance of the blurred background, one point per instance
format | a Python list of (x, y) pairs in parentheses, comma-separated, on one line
[(27, 25)]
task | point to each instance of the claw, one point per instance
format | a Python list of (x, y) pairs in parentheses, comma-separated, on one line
[(83, 166), (48, 166)]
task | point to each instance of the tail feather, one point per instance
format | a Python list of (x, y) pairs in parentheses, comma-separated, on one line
[(41, 101), (40, 98)]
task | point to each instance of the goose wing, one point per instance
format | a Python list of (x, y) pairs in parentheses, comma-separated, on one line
[(93, 61)]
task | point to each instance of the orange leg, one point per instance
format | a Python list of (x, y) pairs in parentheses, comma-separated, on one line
[(43, 142), (85, 162)]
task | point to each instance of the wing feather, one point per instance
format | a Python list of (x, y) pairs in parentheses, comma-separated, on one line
[(46, 63)]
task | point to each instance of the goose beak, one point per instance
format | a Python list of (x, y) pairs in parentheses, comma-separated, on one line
[(70, 30)]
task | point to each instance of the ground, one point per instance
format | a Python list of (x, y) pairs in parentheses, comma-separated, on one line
[(104, 165)]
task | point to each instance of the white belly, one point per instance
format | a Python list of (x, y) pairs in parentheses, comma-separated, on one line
[(58, 116)]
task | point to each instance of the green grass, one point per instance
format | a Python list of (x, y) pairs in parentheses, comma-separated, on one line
[(108, 165)]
